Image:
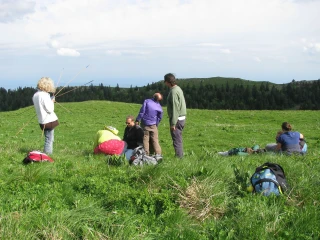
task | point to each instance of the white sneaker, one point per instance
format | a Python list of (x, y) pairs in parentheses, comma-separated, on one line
[(223, 153)]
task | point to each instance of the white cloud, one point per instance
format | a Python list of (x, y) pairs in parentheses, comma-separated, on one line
[(113, 52), (304, 1), (225, 50), (311, 47), (282, 59), (53, 44), (303, 40), (166, 20), (257, 59), (127, 53), (68, 52), (171, 34), (203, 58), (12, 10), (209, 44)]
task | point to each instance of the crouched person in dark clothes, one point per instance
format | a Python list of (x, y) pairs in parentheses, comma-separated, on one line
[(133, 136)]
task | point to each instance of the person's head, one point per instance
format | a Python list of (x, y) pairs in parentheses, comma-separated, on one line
[(130, 121), (170, 80), (46, 84), (286, 126), (157, 97)]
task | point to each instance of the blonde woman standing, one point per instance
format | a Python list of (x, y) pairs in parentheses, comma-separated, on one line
[(44, 106)]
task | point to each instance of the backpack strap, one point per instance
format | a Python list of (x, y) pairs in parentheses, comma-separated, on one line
[(276, 168), (268, 180)]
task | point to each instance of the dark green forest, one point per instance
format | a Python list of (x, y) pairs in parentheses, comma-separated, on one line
[(208, 93)]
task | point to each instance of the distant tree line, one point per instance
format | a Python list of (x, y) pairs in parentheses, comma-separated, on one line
[(304, 95)]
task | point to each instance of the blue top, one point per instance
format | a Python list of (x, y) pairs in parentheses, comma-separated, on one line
[(290, 142), (150, 112)]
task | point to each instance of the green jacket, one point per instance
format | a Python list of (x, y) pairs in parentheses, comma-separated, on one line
[(176, 104)]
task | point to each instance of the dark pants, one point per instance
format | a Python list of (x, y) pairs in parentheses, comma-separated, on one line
[(177, 138)]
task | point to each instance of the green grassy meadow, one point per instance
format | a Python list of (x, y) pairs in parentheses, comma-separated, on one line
[(202, 196)]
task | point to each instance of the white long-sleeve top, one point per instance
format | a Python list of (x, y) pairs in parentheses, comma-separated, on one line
[(44, 107)]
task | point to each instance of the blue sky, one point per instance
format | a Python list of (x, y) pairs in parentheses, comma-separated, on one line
[(136, 42)]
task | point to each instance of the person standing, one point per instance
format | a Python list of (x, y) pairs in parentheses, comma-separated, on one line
[(44, 106), (177, 111), (150, 116), (133, 136)]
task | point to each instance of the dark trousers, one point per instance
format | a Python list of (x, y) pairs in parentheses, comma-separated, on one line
[(177, 138)]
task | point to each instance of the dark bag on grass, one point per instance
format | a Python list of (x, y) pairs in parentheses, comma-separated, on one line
[(269, 178), (139, 157), (36, 156)]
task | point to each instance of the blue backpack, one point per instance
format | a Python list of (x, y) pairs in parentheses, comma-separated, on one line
[(269, 178)]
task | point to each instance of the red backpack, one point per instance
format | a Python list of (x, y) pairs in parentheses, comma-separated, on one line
[(36, 156)]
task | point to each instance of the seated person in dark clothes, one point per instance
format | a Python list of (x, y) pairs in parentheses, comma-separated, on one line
[(133, 136)]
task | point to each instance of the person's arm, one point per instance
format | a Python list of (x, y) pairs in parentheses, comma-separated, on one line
[(140, 135), (278, 134), (96, 140), (48, 103), (301, 136), (175, 110), (124, 135), (141, 112), (278, 147), (279, 142), (159, 117)]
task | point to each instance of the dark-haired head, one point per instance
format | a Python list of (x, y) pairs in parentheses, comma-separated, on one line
[(286, 126), (170, 78)]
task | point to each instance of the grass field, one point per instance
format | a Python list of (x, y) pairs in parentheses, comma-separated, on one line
[(202, 196)]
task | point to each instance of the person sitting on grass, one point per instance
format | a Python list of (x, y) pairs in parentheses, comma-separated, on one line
[(288, 141), (133, 136), (108, 142)]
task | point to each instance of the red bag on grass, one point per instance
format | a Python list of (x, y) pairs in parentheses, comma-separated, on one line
[(37, 156)]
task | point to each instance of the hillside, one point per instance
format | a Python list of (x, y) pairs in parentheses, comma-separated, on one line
[(222, 81), (200, 93)]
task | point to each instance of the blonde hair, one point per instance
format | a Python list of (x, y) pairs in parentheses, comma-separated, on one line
[(46, 84)]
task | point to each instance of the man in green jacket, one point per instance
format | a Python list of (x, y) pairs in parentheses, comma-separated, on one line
[(177, 111)]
